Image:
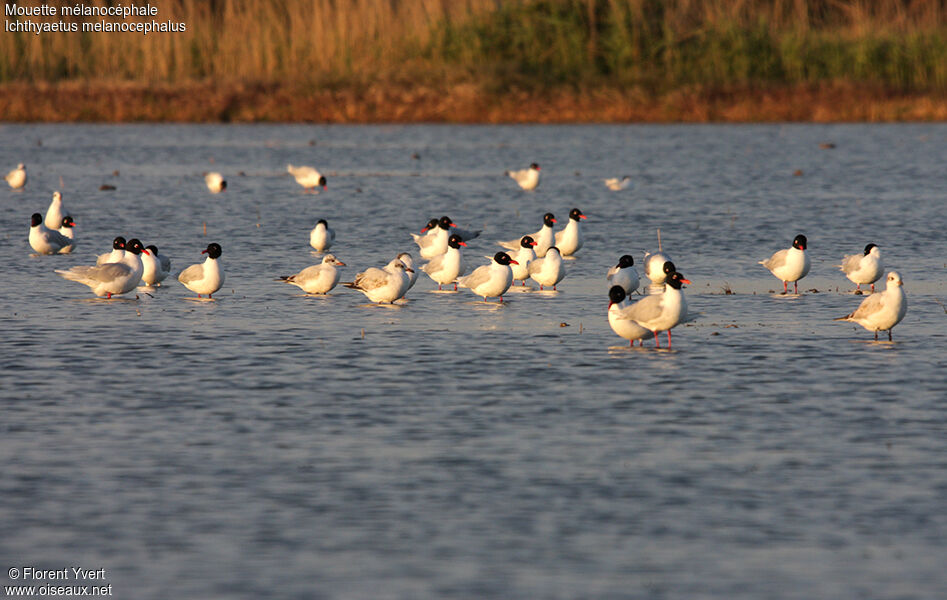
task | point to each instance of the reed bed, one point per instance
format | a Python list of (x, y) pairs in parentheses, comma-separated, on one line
[(634, 48)]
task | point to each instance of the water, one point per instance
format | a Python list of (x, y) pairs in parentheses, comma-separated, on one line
[(270, 444)]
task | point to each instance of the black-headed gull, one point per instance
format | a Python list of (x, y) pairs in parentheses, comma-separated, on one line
[(569, 240), (69, 232), (882, 310), (624, 274), (616, 185), (317, 279), (660, 312), (45, 240), (545, 238), (321, 236), (16, 178), (547, 271), (863, 268), (465, 234), (206, 277), (307, 177), (791, 264), (434, 244), (492, 280), (523, 256), (384, 285), (117, 253), (447, 267), (215, 182), (527, 179), (151, 272), (111, 279), (620, 324), (55, 213)]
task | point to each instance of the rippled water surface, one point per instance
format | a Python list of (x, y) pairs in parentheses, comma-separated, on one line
[(268, 444)]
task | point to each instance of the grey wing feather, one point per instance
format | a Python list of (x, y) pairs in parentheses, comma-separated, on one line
[(434, 264), (512, 244), (869, 306), (480, 275), (535, 266), (851, 263), (192, 273), (776, 260), (371, 278), (646, 309)]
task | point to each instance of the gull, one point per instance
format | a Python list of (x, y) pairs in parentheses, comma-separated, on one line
[(863, 268), (163, 261), (17, 177), (55, 212), (660, 312), (654, 267), (116, 255), (547, 271), (545, 237), (435, 243), (527, 179), (45, 240), (523, 257), (408, 260), (215, 182), (617, 185), (624, 274), (68, 232), (206, 277), (151, 271), (307, 177), (465, 235), (382, 285), (317, 279), (881, 311), (492, 280), (791, 264), (111, 278), (446, 267), (623, 326), (321, 236), (569, 240)]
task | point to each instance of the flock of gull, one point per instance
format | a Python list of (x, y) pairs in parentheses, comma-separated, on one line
[(536, 256)]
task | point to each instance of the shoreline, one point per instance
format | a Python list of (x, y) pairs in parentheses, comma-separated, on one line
[(199, 102)]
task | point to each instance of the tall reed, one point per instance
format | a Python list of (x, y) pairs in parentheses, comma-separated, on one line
[(653, 44)]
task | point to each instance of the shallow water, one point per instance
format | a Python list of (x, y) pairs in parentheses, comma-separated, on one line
[(271, 444)]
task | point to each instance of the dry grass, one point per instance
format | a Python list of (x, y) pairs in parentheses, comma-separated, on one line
[(478, 60)]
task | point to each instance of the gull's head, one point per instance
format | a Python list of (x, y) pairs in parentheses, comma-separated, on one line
[(36, 219), (873, 250), (894, 279), (628, 261), (800, 242), (616, 295), (330, 259)]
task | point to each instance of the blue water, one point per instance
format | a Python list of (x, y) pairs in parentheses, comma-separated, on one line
[(269, 444)]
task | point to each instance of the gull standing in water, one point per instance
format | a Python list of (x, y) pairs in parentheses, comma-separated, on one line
[(882, 310), (68, 231), (528, 179), (383, 285), (111, 278), (523, 257), (547, 271), (863, 268), (322, 236), (617, 185), (17, 177), (56, 212), (569, 240), (445, 268), (492, 280), (791, 264), (660, 312), (206, 277), (307, 177), (215, 182), (621, 325), (44, 240), (317, 279)]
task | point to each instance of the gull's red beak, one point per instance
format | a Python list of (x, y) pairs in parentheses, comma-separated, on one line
[(513, 262), (581, 216), (687, 281), (534, 244), (146, 252), (425, 229), (554, 221), (463, 244), (203, 251)]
